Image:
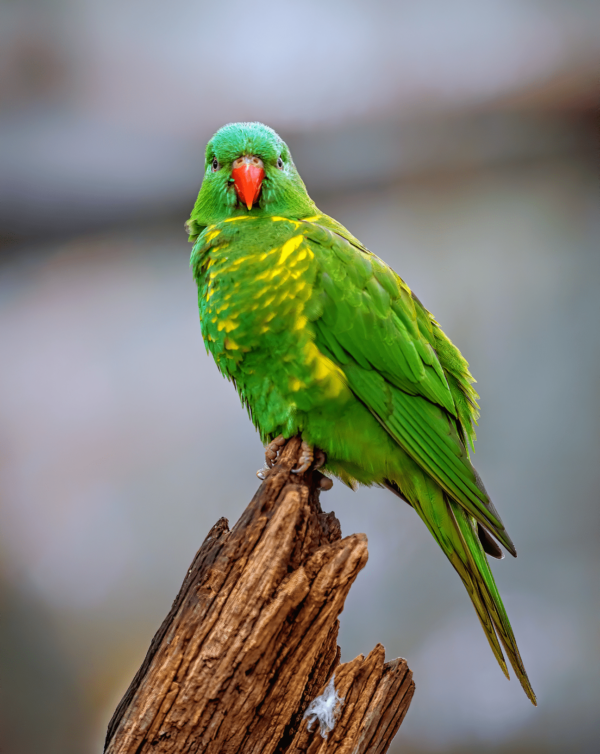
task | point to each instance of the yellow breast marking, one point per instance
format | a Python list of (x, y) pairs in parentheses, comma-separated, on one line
[(325, 371), (289, 247), (228, 324), (276, 219), (296, 384)]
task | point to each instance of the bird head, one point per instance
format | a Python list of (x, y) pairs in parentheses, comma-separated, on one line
[(248, 170)]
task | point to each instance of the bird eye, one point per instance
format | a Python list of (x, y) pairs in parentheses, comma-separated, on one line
[(280, 163), (215, 165)]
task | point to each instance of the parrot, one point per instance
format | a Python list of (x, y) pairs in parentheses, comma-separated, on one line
[(323, 340)]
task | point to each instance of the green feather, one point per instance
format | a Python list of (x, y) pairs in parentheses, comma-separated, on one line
[(321, 338)]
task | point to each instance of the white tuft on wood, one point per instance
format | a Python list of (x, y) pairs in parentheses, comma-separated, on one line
[(325, 708)]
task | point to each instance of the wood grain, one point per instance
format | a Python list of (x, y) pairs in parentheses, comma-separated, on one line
[(251, 639)]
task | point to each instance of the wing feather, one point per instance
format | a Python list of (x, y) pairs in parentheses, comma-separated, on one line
[(401, 366)]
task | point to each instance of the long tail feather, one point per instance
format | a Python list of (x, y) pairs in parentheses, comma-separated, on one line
[(492, 597), (456, 533)]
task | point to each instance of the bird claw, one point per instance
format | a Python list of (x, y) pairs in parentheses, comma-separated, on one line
[(271, 454), (324, 483), (320, 458), (272, 451), (307, 456)]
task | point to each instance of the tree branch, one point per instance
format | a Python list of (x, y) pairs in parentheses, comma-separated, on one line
[(251, 640)]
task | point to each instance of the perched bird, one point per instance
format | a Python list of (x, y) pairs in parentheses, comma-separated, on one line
[(322, 339)]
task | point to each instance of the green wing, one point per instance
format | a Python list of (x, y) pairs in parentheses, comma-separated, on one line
[(400, 365), (417, 385)]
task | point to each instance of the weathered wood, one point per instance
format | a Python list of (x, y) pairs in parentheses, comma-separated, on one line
[(251, 639)]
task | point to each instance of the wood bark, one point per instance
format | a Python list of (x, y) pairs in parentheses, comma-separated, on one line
[(251, 640)]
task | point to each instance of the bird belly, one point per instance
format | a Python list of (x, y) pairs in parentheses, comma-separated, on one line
[(252, 316), (252, 310)]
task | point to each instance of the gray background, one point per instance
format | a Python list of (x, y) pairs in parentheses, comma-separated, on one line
[(457, 141)]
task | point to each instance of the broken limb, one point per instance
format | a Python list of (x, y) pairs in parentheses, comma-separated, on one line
[(250, 640)]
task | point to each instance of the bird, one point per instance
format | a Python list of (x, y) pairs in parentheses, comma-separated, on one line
[(323, 340)]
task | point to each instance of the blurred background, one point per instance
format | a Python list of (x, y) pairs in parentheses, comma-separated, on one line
[(458, 141)]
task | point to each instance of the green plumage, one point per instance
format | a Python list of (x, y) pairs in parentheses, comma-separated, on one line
[(321, 338)]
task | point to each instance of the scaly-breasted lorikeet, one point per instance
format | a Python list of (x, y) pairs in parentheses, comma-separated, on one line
[(322, 339)]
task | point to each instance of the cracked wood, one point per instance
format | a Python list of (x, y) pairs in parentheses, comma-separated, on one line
[(251, 639)]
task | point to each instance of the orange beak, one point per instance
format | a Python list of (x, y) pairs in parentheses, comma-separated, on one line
[(248, 174)]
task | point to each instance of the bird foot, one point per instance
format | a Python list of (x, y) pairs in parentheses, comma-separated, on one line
[(320, 458), (271, 452), (308, 456), (324, 482), (273, 449)]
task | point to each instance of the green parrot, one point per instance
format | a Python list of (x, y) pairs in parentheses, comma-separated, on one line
[(322, 339)]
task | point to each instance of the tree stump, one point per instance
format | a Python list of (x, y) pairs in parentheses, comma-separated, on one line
[(251, 640)]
